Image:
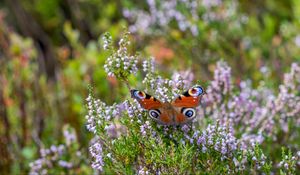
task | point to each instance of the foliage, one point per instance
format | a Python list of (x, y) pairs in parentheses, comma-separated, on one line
[(229, 137), (244, 54)]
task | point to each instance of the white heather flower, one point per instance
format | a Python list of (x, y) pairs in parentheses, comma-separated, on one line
[(120, 63), (143, 171), (107, 40), (148, 65)]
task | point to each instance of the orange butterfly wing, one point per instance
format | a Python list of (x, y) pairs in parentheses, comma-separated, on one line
[(165, 118), (155, 108), (180, 111), (145, 100), (186, 103), (191, 98)]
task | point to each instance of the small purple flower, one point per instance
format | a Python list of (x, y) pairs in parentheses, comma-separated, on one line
[(96, 153), (115, 130)]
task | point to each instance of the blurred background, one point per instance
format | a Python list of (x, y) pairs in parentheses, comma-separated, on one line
[(50, 51)]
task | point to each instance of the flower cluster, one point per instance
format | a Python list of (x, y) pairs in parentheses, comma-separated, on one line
[(167, 89), (48, 156), (235, 120), (289, 162), (219, 138), (149, 65), (221, 84), (99, 114), (143, 171), (257, 157), (96, 153), (58, 158), (120, 63), (163, 14), (255, 111)]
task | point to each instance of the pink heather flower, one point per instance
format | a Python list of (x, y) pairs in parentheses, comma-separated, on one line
[(65, 164), (218, 138), (115, 130), (161, 14), (96, 153), (182, 80), (211, 3), (50, 157), (70, 135), (145, 128)]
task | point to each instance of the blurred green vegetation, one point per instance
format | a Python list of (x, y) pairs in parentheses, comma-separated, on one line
[(50, 52)]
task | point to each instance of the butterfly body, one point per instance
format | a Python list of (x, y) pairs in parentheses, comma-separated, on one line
[(180, 111)]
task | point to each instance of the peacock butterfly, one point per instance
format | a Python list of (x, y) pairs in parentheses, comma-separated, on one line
[(179, 111)]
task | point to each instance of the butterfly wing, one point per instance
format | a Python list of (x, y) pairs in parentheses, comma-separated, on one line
[(186, 103), (156, 109), (190, 98), (180, 111), (145, 100)]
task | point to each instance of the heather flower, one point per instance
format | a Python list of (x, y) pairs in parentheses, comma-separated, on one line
[(288, 163), (96, 153), (101, 114), (58, 158), (145, 128), (69, 134), (232, 123), (133, 109), (115, 130), (107, 41), (65, 164), (211, 3), (220, 86), (143, 171), (186, 14), (167, 90), (161, 14), (48, 157), (120, 63), (219, 138), (182, 80), (149, 65), (255, 110)]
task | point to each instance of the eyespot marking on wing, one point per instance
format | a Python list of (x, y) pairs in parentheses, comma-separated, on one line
[(195, 91), (188, 112), (154, 113), (138, 94)]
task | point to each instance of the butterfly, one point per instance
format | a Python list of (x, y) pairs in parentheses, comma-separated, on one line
[(179, 111)]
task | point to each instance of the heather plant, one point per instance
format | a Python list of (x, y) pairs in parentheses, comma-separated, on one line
[(35, 108), (236, 130), (197, 28), (64, 158), (245, 55)]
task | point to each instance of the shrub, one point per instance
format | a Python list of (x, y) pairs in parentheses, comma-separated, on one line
[(238, 129)]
